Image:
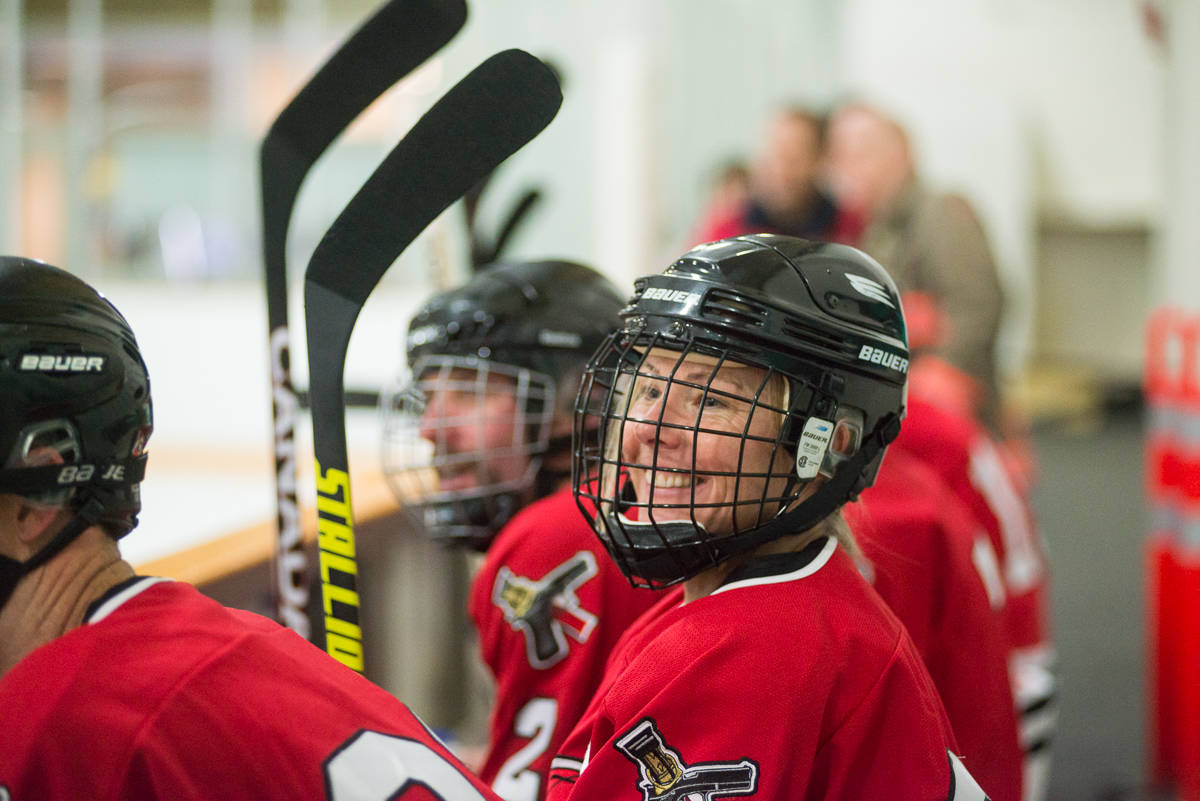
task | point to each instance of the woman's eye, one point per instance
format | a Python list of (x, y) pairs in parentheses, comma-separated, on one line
[(650, 392)]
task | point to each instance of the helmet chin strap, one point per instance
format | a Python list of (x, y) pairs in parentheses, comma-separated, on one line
[(12, 571)]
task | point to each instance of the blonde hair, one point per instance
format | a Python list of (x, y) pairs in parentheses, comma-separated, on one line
[(835, 526)]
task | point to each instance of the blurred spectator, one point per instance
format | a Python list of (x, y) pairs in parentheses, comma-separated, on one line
[(927, 241), (784, 195)]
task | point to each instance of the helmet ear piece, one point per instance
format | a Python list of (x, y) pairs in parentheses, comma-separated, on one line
[(845, 440), (50, 442)]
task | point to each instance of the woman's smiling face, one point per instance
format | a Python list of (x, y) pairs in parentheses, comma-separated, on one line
[(709, 451)]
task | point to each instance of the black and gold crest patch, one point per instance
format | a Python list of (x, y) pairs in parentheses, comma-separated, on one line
[(664, 776)]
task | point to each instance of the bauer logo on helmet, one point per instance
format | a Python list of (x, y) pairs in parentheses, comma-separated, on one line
[(61, 363)]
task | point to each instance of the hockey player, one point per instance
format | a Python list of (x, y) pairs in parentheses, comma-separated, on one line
[(751, 392), (936, 568), (481, 445), (128, 687), (949, 440)]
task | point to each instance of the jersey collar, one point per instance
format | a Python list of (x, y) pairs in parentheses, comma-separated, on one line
[(777, 568), (117, 595)]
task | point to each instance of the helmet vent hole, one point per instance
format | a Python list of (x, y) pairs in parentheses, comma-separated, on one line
[(731, 309)]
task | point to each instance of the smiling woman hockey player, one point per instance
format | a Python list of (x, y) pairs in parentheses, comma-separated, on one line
[(127, 687), (496, 363), (752, 392)]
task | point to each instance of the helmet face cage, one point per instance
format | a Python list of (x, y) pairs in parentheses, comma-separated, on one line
[(682, 447), (463, 442)]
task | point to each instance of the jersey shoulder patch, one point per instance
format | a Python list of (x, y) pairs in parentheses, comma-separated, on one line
[(664, 776), (547, 610)]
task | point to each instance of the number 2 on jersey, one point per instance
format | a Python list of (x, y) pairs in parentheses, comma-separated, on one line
[(516, 781)]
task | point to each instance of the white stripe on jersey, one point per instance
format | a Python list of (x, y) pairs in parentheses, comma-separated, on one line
[(810, 568), (114, 603), (566, 763)]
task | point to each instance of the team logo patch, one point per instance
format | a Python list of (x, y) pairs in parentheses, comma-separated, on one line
[(664, 776), (547, 610)]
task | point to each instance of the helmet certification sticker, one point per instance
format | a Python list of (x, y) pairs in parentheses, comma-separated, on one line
[(814, 441)]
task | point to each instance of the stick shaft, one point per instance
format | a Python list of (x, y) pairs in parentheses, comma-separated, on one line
[(393, 42)]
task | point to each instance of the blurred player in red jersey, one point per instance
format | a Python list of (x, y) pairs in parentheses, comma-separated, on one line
[(941, 431), (480, 444), (751, 392), (936, 568), (134, 688)]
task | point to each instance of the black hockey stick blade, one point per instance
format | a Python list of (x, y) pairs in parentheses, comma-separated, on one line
[(393, 42), (489, 115)]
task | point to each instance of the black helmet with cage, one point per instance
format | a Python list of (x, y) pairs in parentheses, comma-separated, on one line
[(821, 330), (523, 328), (72, 381)]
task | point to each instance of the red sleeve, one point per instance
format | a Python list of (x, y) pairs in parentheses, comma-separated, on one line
[(719, 228), (937, 571), (848, 227), (549, 604), (963, 454)]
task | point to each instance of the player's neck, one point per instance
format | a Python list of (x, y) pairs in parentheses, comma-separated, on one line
[(707, 582), (53, 599)]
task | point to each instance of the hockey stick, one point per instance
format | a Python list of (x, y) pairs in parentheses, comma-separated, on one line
[(484, 252), (389, 45), (518, 215), (489, 115)]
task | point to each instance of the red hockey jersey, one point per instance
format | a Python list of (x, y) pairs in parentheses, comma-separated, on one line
[(936, 568), (967, 459), (549, 604), (791, 681), (165, 694)]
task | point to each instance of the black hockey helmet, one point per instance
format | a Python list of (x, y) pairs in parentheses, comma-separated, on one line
[(71, 379), (523, 327), (821, 328)]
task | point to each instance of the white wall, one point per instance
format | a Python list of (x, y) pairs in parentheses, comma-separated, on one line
[(1031, 108)]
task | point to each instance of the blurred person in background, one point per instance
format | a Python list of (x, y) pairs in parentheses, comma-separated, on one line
[(934, 562), (480, 445), (728, 194), (928, 241), (945, 436), (129, 687), (784, 191), (937, 569)]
